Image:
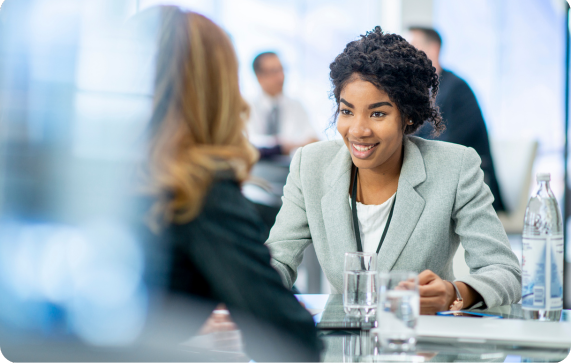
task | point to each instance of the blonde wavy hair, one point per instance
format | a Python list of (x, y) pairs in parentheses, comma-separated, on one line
[(199, 115)]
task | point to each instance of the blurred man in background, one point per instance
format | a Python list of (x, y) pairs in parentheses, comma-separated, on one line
[(278, 124), (459, 108)]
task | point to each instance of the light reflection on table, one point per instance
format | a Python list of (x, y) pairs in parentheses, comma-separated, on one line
[(355, 345)]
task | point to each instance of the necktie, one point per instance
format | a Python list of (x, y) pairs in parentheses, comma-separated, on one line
[(273, 121)]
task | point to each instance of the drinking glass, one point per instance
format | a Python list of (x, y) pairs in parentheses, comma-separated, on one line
[(356, 347), (360, 295), (360, 261), (398, 310)]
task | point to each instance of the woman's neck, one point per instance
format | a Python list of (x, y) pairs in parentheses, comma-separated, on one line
[(376, 186)]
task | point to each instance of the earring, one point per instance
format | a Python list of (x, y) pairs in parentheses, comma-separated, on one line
[(410, 122)]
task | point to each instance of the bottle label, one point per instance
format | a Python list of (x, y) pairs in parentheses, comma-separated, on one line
[(542, 273)]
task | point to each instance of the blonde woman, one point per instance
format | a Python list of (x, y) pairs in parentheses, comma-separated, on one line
[(199, 156)]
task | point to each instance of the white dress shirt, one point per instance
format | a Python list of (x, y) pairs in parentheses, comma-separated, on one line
[(294, 126)]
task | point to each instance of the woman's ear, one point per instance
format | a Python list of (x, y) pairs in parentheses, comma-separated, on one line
[(407, 121)]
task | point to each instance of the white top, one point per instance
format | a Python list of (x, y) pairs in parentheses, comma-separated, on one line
[(372, 222), (294, 125)]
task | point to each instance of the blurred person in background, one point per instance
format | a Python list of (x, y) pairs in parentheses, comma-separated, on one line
[(459, 109), (278, 124), (199, 156)]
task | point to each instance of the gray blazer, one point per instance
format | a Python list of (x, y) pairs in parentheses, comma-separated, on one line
[(442, 201)]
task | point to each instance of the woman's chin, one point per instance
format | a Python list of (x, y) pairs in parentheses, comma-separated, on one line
[(363, 163)]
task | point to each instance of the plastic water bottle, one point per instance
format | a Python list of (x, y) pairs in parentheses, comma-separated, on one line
[(542, 255)]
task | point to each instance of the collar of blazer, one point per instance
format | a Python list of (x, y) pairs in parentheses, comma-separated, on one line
[(408, 208)]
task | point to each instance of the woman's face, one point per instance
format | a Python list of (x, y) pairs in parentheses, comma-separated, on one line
[(370, 124)]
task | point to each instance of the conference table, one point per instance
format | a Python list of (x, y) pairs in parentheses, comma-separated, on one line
[(354, 344)]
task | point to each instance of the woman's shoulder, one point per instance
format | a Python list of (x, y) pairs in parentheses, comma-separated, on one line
[(445, 156), (323, 148), (223, 198), (431, 146), (224, 207), (321, 152), (222, 191), (319, 158), (440, 150)]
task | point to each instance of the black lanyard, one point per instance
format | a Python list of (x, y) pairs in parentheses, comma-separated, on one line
[(356, 219)]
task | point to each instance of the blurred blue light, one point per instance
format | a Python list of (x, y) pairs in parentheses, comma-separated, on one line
[(94, 273)]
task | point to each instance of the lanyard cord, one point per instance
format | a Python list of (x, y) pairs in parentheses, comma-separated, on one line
[(356, 219)]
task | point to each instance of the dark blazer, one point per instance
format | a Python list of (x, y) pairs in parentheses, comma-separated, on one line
[(465, 126), (220, 257)]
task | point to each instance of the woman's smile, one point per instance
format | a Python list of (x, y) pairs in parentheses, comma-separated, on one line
[(363, 150)]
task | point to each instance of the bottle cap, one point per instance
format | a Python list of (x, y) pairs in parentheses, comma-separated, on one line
[(543, 177)]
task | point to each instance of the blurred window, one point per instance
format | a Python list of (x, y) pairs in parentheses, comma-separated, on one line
[(306, 34), (512, 54)]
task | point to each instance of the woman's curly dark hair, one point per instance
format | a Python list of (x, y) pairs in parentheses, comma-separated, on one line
[(390, 63)]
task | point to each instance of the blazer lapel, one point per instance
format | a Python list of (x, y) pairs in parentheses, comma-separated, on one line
[(408, 208), (337, 212)]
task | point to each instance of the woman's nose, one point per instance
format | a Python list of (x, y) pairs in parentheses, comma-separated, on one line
[(360, 128)]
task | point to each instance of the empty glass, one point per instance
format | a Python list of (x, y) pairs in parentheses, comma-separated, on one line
[(360, 293), (399, 307)]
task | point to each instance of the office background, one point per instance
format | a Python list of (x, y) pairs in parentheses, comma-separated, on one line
[(511, 53), (78, 86)]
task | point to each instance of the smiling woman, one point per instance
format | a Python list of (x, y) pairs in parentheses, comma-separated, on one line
[(426, 197)]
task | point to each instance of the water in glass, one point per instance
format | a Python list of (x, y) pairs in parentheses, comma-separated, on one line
[(360, 296), (399, 307)]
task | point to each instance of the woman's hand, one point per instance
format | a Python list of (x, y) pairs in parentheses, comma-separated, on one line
[(219, 333), (435, 293), (218, 321)]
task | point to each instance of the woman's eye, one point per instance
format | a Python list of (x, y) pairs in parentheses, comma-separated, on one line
[(377, 114), (345, 112)]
